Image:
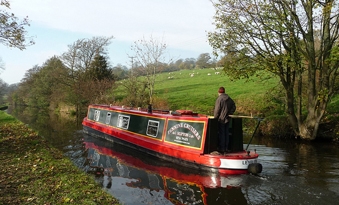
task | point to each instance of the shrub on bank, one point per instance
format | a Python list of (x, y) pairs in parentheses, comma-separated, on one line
[(276, 126)]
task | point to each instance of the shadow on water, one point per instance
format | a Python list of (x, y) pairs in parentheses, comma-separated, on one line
[(293, 172)]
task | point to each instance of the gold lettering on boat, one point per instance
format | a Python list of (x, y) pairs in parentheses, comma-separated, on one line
[(187, 126)]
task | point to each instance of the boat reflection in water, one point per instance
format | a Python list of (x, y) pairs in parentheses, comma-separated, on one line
[(162, 182)]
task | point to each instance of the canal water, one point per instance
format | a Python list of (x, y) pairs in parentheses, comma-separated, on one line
[(293, 172)]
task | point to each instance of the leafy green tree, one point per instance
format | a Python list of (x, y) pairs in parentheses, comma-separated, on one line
[(203, 61), (22, 95), (12, 30), (98, 79), (52, 74), (41, 87), (99, 69), (297, 41), (137, 95)]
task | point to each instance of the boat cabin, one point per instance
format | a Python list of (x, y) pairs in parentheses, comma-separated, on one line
[(180, 128)]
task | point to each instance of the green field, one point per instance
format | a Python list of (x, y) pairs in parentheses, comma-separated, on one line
[(198, 93)]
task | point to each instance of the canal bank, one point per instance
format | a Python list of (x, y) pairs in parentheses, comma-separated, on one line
[(33, 172)]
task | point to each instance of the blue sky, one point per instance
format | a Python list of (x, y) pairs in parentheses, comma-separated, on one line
[(55, 24)]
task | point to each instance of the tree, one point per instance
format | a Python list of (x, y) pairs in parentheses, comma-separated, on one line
[(49, 85), (203, 60), (9, 90), (3, 91), (46, 88), (294, 40), (120, 72), (136, 91), (98, 79), (149, 55), (178, 62), (82, 52), (78, 60), (41, 86), (12, 31), (99, 69), (188, 64), (23, 96)]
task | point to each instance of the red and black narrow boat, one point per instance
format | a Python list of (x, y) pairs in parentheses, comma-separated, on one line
[(183, 137)]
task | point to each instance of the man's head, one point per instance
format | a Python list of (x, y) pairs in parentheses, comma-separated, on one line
[(221, 90)]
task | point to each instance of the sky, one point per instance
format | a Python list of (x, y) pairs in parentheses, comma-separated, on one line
[(54, 24)]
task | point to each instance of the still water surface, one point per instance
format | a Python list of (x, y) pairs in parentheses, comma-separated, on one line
[(293, 172)]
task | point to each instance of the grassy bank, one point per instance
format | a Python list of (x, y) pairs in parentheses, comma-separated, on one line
[(32, 172)]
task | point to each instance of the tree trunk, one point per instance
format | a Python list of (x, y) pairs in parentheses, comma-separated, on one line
[(290, 109), (308, 129)]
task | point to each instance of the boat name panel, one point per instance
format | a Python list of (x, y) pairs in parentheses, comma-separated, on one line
[(185, 133)]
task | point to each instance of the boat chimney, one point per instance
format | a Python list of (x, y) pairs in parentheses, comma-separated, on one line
[(149, 110)]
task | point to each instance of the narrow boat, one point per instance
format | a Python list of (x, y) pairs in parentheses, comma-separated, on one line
[(183, 137)]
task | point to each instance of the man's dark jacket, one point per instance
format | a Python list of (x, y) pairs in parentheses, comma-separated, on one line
[(224, 106)]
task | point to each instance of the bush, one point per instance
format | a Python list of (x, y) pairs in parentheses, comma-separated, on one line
[(277, 126)]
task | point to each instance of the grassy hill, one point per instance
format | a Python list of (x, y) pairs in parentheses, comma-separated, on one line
[(197, 90)]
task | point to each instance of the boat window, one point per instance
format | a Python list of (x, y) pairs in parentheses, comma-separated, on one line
[(97, 115), (152, 128), (123, 121), (108, 118)]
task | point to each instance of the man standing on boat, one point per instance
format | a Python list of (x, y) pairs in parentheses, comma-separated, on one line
[(224, 106)]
